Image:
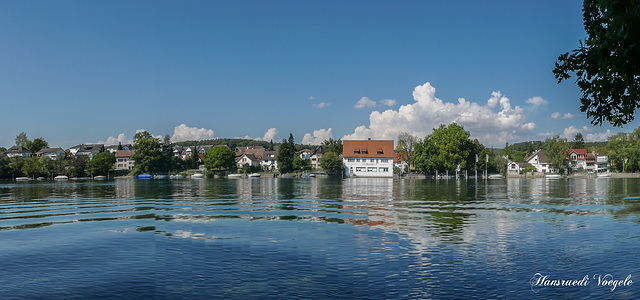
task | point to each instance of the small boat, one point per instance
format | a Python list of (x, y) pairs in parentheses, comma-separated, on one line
[(495, 176), (40, 178), (553, 176), (22, 178), (254, 175), (61, 177), (234, 176), (100, 177), (177, 177), (143, 176), (161, 177), (197, 176), (604, 175)]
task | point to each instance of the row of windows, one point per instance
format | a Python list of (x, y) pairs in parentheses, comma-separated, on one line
[(373, 160), (364, 152), (370, 169)]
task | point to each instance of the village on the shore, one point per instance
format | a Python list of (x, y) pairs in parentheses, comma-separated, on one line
[(447, 153)]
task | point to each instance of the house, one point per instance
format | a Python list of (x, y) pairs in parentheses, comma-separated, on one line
[(52, 153), (87, 149), (305, 154), (517, 167), (538, 160), (257, 151), (399, 162), (114, 148), (368, 158), (316, 155), (123, 160), (577, 159), (590, 161), (269, 161), (247, 160), (17, 151), (602, 163)]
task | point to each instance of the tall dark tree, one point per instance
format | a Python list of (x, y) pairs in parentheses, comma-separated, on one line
[(285, 155), (607, 64), (578, 141), (21, 139)]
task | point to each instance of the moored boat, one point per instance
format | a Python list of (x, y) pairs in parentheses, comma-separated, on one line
[(197, 176), (22, 178), (100, 177), (495, 176), (553, 176), (143, 176), (254, 175), (604, 175), (61, 177), (234, 176)]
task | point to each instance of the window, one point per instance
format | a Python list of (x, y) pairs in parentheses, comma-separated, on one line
[(372, 160), (384, 169), (372, 170), (351, 160), (361, 169), (365, 151), (379, 151)]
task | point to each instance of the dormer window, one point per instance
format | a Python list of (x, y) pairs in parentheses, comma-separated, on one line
[(365, 151), (379, 151)]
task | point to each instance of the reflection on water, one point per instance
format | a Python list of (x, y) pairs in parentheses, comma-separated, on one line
[(320, 237)]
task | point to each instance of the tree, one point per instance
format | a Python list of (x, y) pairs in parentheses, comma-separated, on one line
[(446, 149), (555, 149), (300, 164), (36, 145), (101, 163), (578, 141), (285, 155), (148, 155), (30, 166), (406, 146), (607, 63), (332, 163), (219, 158), (332, 145), (270, 145), (21, 139), (167, 154)]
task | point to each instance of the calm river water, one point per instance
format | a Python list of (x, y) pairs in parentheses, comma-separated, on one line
[(321, 238)]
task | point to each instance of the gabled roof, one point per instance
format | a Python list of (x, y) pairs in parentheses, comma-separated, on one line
[(17, 149), (368, 148), (49, 150), (125, 153), (542, 158)]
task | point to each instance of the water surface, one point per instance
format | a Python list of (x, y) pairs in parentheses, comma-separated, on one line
[(318, 238)]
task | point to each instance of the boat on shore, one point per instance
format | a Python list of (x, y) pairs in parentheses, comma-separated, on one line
[(22, 178), (234, 176), (61, 177), (161, 177), (254, 175), (143, 176), (553, 176), (100, 177), (604, 175), (197, 176)]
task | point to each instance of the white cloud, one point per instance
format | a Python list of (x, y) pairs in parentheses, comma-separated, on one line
[(183, 133), (122, 138), (312, 98), (388, 102), (364, 102), (598, 137), (318, 137), (546, 134), (270, 135), (536, 101), (491, 127), (557, 116), (321, 105)]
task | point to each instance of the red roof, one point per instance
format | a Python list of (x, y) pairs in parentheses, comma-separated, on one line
[(368, 148), (125, 153)]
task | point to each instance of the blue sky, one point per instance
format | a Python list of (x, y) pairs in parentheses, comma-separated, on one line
[(97, 71)]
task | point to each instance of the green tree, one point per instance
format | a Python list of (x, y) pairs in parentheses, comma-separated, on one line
[(101, 163), (331, 163), (270, 146), (300, 164), (444, 150), (167, 154), (45, 165), (607, 64), (30, 167), (332, 145), (285, 155), (219, 158), (21, 139), (36, 145), (555, 149), (148, 155), (578, 141)]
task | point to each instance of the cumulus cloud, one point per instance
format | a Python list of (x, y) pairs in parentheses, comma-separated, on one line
[(598, 137), (536, 101), (318, 137), (493, 124), (183, 133), (270, 135), (364, 102), (321, 105), (557, 116)]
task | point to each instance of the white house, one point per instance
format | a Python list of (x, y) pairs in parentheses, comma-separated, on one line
[(247, 160), (269, 160), (539, 161), (368, 158), (123, 160), (52, 153), (316, 156), (16, 151)]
